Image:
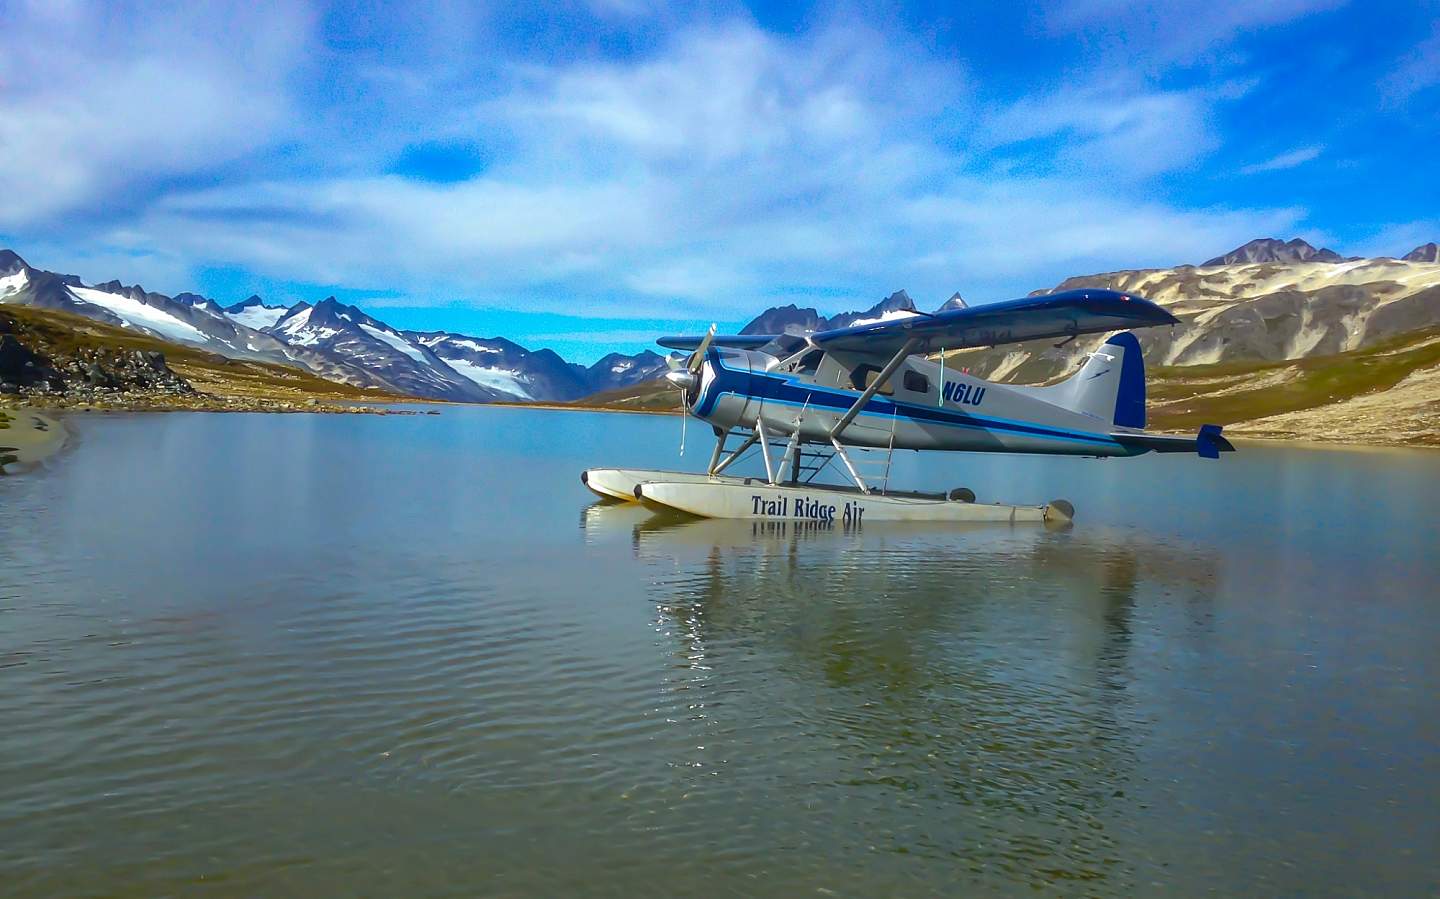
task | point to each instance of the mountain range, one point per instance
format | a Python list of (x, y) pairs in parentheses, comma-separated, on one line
[(336, 341), (1267, 301), (794, 320)]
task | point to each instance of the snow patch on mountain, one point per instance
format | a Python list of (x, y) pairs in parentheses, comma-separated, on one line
[(14, 283), (889, 316), (504, 380), (296, 330), (258, 317), (472, 345), (394, 341), (135, 314)]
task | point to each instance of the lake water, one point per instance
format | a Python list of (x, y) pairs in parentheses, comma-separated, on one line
[(408, 655)]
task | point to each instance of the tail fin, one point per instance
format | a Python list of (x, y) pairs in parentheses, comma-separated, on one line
[(1110, 385)]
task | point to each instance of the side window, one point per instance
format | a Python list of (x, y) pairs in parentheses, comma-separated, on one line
[(916, 382), (809, 362), (864, 375)]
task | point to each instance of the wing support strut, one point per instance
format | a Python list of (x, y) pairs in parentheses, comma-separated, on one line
[(765, 449), (739, 450), (792, 449), (880, 380), (720, 438), (850, 466)]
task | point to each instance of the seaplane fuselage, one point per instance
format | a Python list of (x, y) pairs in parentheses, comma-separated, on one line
[(924, 405)]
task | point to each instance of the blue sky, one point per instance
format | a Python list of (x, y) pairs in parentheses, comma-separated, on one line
[(584, 175)]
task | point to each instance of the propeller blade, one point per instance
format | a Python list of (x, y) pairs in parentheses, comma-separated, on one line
[(699, 355)]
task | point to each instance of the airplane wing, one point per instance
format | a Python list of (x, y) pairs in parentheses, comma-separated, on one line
[(735, 341), (1069, 313)]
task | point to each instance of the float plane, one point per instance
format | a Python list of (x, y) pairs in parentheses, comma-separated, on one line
[(804, 401)]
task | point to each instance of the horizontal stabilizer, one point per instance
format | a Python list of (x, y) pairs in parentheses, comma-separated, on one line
[(1207, 443)]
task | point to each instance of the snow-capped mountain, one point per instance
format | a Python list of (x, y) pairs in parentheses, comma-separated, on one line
[(331, 339), (187, 318), (897, 305), (504, 366), (1275, 300), (955, 302), (364, 341), (252, 312)]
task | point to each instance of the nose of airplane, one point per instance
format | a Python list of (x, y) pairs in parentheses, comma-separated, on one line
[(684, 379)]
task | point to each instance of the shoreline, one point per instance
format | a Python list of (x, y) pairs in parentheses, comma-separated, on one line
[(567, 407), (28, 438)]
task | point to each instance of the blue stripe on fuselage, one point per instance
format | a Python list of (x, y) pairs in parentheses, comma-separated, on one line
[(791, 391)]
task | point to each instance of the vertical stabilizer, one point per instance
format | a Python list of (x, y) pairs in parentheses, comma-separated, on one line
[(1111, 383)]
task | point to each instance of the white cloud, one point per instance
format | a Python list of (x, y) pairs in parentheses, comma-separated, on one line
[(1054, 228), (1111, 127), (1287, 160), (729, 169), (729, 93), (92, 107)]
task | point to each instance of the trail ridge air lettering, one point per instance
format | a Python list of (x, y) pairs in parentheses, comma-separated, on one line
[(805, 508), (963, 394)]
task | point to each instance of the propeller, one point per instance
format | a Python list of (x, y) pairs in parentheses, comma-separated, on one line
[(687, 377)]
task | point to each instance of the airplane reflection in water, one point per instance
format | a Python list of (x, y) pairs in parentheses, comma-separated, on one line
[(993, 664)]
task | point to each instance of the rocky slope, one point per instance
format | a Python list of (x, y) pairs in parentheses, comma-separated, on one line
[(1269, 249), (1244, 312), (1429, 252)]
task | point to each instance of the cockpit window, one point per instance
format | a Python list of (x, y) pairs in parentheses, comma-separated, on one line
[(862, 376)]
